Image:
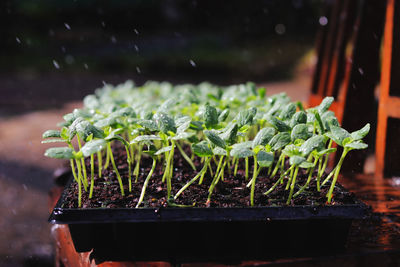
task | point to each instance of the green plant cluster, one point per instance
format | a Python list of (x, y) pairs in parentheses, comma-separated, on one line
[(223, 125)]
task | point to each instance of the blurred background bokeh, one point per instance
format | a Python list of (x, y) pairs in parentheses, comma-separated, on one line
[(53, 53)]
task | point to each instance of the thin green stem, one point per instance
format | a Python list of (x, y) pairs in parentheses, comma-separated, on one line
[(185, 156), (247, 168), (79, 169), (236, 166), (99, 162), (318, 175), (108, 152), (329, 176), (137, 166), (118, 175), (215, 182), (292, 185), (71, 161), (280, 178), (85, 180), (253, 181), (204, 169), (337, 171), (311, 171), (146, 182), (91, 175), (129, 161), (290, 179)]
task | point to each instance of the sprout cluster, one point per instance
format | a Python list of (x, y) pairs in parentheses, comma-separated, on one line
[(221, 125)]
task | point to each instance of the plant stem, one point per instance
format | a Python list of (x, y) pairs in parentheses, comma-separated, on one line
[(290, 180), (79, 193), (204, 169), (209, 167), (308, 180), (91, 175), (338, 166), (146, 182), (108, 151), (185, 156), (253, 181), (85, 180), (117, 173), (137, 167), (318, 176), (247, 168), (292, 185), (99, 162), (71, 161), (280, 178), (277, 165), (80, 178), (129, 161), (215, 182), (170, 169), (329, 176), (236, 166)]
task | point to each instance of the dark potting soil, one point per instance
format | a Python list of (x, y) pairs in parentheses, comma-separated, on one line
[(231, 192)]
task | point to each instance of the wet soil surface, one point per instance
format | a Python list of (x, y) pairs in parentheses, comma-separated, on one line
[(231, 192)]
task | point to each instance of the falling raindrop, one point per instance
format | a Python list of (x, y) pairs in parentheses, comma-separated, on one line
[(63, 49), (104, 83), (25, 187), (192, 63), (56, 64), (136, 31), (138, 70), (85, 66), (136, 48), (18, 40), (323, 21), (51, 32), (361, 71), (103, 24), (67, 26), (113, 39), (69, 59), (280, 29)]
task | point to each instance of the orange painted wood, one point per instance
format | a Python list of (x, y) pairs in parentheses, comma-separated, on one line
[(381, 131)]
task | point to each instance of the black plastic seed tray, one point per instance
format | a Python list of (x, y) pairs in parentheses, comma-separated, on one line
[(208, 234)]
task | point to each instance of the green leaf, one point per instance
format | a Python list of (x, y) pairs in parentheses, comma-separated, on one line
[(296, 160), (165, 123), (291, 150), (241, 152), (210, 116), (167, 105), (245, 117), (202, 149), (109, 121), (278, 124), (300, 131), (265, 159), (315, 142), (60, 153), (196, 125), (325, 104), (356, 145), (125, 112), (214, 138), (229, 133), (338, 134), (58, 140), (223, 115), (326, 151), (279, 140), (306, 165), (360, 134), (219, 151), (93, 146), (263, 136), (288, 111), (84, 129), (51, 133), (148, 124), (163, 150), (183, 135), (298, 117), (144, 138)]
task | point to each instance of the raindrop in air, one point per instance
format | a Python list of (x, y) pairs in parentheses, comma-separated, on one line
[(323, 20), (136, 48), (113, 39), (67, 26), (361, 71), (18, 40), (192, 63), (69, 59), (85, 66), (103, 24), (280, 29), (138, 70), (63, 49), (104, 83), (136, 31), (56, 64)]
